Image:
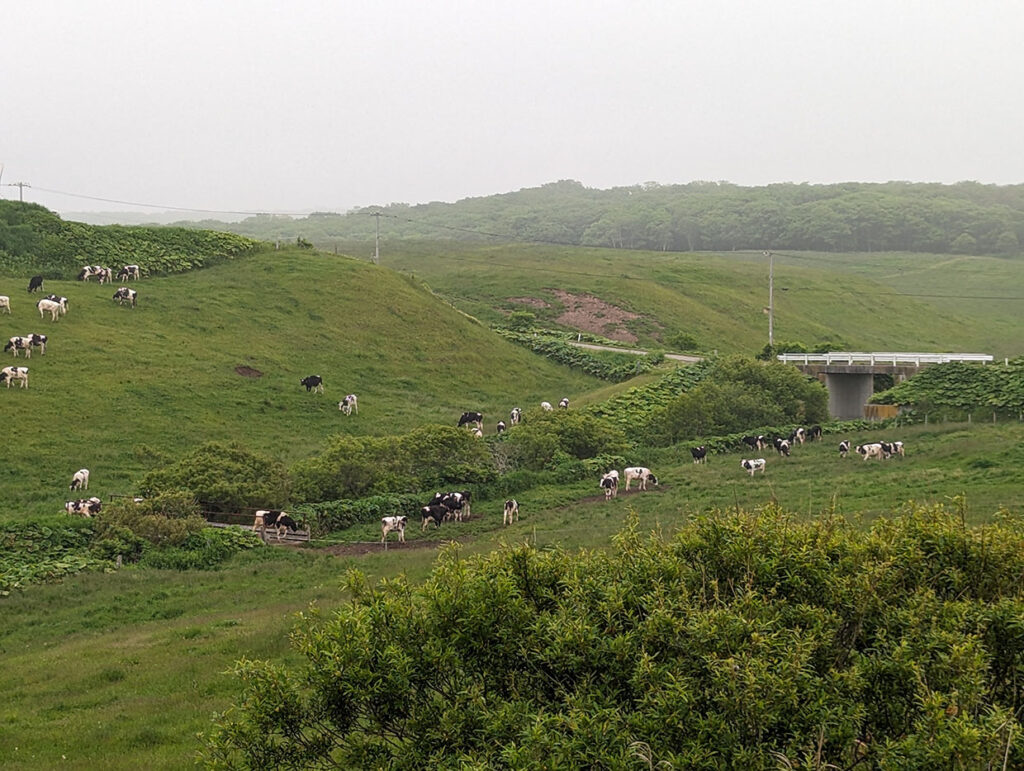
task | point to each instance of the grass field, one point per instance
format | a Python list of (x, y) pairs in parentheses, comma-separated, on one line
[(866, 301), (122, 670)]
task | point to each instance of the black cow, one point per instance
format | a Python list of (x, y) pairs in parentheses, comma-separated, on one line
[(472, 417), (814, 434), (313, 383), (435, 514), (34, 283), (700, 454)]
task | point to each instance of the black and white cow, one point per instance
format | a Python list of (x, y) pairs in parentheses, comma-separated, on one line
[(642, 475), (62, 301), (387, 524), (844, 448), (9, 374), (472, 417), (798, 436), (814, 434), (348, 404), (276, 520), (87, 272), (511, 511), (105, 275), (515, 416), (755, 464), (313, 383), (610, 484), (84, 507), (892, 448), (873, 450), (37, 341), (16, 344), (80, 480), (125, 295), (34, 283), (5, 303), (700, 454), (752, 442), (129, 271), (500, 428), (433, 513), (781, 446), (564, 403)]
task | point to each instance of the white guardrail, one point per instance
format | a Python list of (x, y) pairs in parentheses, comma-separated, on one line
[(892, 359)]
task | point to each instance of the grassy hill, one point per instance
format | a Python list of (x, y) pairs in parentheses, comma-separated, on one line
[(120, 390), (862, 301)]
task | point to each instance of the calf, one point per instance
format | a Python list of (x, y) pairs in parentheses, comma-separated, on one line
[(641, 475), (10, 374), (49, 306), (85, 507), (80, 480), (610, 484), (700, 454), (546, 406), (124, 295), (472, 417), (5, 302), (34, 283), (511, 511), (313, 383), (274, 519), (515, 415), (564, 403), (432, 513), (873, 450), (755, 464), (500, 428), (348, 404), (129, 271), (387, 524), (844, 448)]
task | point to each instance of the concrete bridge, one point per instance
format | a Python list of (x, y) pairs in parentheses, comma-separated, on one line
[(849, 377)]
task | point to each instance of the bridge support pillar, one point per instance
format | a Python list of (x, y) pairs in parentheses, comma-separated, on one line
[(848, 393)]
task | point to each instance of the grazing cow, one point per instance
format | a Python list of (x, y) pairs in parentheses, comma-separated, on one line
[(84, 507), (610, 484), (62, 301), (564, 403), (125, 295), (844, 448), (814, 434), (472, 417), (10, 374), (105, 275), (80, 481), (700, 454), (457, 504), (49, 306), (387, 524), (433, 513), (16, 344), (782, 446), (275, 520), (515, 416), (641, 475), (479, 434), (34, 283), (897, 448), (755, 464), (129, 271), (891, 448), (85, 273), (546, 406), (500, 428), (313, 383), (873, 450), (798, 435), (5, 302), (511, 511), (752, 442), (348, 404), (36, 341)]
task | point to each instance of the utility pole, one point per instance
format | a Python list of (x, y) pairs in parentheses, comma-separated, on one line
[(376, 240), (21, 189), (771, 297)]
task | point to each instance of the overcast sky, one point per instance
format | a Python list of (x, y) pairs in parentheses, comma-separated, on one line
[(294, 106)]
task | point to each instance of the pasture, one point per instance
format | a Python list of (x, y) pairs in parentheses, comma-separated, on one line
[(121, 670)]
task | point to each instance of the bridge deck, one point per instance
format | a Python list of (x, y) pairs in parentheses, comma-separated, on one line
[(884, 358)]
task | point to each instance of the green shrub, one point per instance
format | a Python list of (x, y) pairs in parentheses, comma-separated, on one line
[(537, 442), (205, 549), (46, 549), (327, 516), (164, 520)]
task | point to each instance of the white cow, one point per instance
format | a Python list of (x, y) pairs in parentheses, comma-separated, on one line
[(756, 464), (348, 404), (52, 307), (641, 475), (5, 302), (10, 374), (873, 450), (546, 406), (80, 481), (387, 524)]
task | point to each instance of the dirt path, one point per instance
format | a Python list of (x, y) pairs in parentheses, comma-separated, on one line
[(637, 352)]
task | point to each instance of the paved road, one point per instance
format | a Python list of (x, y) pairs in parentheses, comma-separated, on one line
[(638, 352)]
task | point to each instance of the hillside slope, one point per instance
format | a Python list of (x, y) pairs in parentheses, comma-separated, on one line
[(120, 390)]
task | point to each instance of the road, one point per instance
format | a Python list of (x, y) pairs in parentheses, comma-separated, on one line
[(637, 352)]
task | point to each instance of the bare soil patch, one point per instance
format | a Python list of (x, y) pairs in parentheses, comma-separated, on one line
[(532, 302), (244, 371), (592, 314)]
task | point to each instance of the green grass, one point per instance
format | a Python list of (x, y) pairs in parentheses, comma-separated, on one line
[(854, 299), (121, 670), (122, 390)]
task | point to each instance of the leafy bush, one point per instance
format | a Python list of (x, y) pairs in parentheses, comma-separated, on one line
[(223, 477), (326, 516), (957, 388), (537, 442), (164, 520), (205, 549), (45, 550), (748, 640)]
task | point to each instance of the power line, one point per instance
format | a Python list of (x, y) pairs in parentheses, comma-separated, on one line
[(171, 208)]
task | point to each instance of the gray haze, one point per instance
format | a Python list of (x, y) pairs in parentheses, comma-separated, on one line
[(256, 105)]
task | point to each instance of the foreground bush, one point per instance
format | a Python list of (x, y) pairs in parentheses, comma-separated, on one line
[(746, 641)]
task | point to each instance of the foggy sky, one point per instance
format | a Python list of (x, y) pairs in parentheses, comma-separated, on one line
[(258, 105)]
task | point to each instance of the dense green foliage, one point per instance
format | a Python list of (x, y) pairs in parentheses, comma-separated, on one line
[(35, 240), (545, 440), (327, 516), (605, 365), (958, 388), (963, 218), (45, 550), (744, 641), (737, 394)]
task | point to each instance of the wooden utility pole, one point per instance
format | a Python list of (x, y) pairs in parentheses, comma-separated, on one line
[(771, 297), (376, 239), (21, 189)]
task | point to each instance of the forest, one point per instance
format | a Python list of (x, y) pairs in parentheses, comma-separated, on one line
[(964, 218)]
